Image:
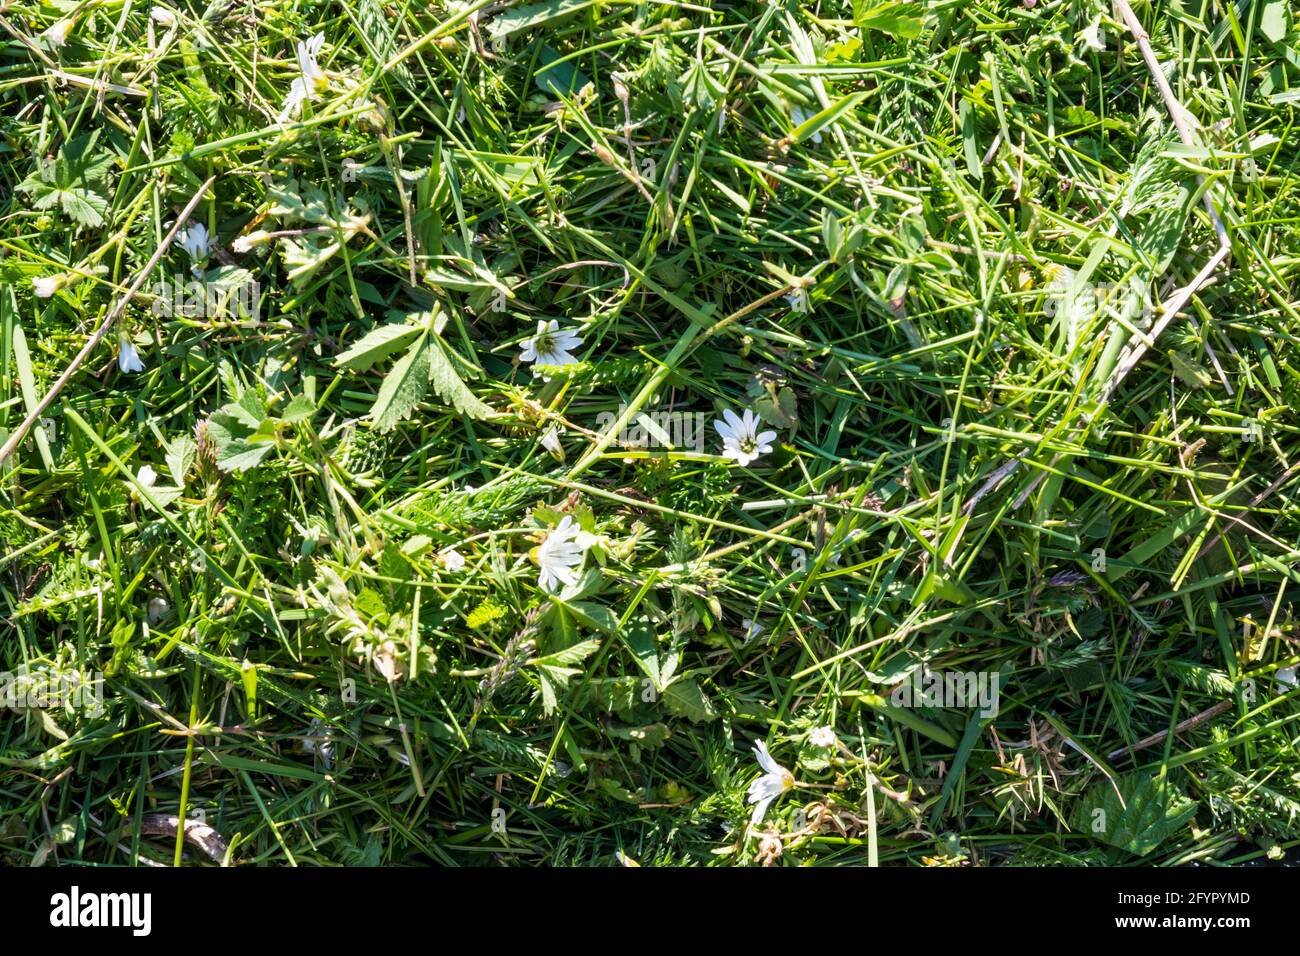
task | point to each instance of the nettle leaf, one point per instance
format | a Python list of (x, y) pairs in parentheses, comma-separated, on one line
[(449, 387), (378, 344), (685, 698), (181, 452), (426, 364), (403, 386), (1144, 813)]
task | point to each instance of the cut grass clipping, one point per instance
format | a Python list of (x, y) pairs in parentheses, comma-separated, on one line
[(584, 433)]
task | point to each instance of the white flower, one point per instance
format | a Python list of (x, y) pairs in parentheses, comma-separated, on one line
[(550, 346), (752, 629), (147, 476), (57, 35), (163, 15), (158, 608), (128, 359), (1286, 677), (452, 560), (822, 737), (799, 116), (560, 554), (741, 439), (775, 781), (798, 298), (46, 286), (247, 243), (196, 241), (551, 442), (312, 79)]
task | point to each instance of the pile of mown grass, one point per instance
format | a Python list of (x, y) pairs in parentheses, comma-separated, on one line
[(298, 506)]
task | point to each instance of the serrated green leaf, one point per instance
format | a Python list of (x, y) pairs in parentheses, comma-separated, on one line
[(448, 385), (685, 698), (378, 344), (1146, 812), (180, 453), (403, 386)]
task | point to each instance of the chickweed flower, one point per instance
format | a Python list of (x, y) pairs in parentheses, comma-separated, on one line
[(741, 439), (57, 35), (250, 241), (312, 80), (775, 781), (551, 442), (551, 345), (46, 286), (822, 737), (128, 359), (196, 241), (452, 560), (560, 555)]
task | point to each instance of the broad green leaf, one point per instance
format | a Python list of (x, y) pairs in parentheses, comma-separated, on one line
[(300, 409), (378, 344), (533, 15), (180, 454), (1146, 812), (403, 386), (904, 21), (685, 698), (448, 385)]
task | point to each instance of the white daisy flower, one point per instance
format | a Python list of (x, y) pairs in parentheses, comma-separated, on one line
[(775, 781), (822, 737), (196, 241), (560, 554), (128, 359), (312, 80), (741, 439), (452, 560), (163, 15), (799, 116), (551, 345), (57, 35)]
